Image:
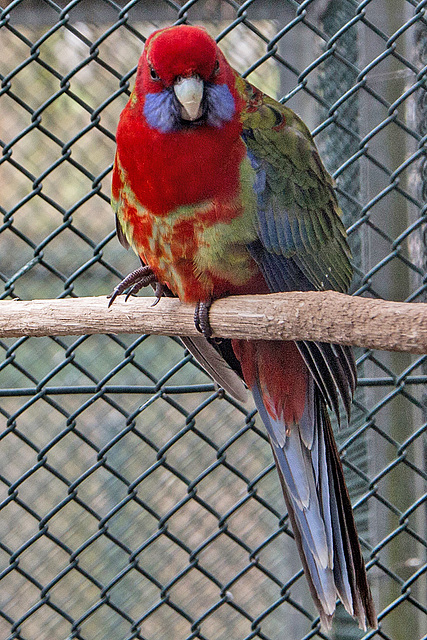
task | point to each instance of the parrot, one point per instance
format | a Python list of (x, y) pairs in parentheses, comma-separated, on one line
[(220, 190)]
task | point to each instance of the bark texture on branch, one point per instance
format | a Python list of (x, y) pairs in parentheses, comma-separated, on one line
[(324, 316)]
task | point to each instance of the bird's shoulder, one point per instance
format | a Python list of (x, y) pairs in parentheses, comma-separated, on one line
[(298, 213), (275, 134)]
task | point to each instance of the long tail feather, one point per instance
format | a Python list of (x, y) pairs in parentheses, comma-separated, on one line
[(320, 511), (215, 365), (362, 598)]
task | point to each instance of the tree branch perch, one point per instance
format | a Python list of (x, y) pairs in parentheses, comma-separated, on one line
[(324, 316)]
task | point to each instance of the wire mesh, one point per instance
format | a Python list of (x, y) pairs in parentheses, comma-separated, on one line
[(137, 501)]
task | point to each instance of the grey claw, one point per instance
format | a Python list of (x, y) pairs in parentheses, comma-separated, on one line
[(159, 290), (201, 318), (139, 278)]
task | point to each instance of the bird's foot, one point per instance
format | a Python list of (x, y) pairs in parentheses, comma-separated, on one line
[(159, 290), (201, 318), (141, 277)]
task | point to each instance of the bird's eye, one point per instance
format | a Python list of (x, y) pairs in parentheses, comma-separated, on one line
[(154, 75)]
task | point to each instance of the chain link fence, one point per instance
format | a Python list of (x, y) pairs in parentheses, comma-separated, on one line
[(136, 500)]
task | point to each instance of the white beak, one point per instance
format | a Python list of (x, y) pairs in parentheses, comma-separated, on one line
[(189, 92)]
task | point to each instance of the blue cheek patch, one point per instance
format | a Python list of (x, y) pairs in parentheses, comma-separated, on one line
[(220, 104), (160, 111)]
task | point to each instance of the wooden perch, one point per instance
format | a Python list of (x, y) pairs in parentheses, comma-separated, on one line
[(325, 316)]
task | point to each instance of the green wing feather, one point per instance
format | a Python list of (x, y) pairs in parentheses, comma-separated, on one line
[(298, 213)]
